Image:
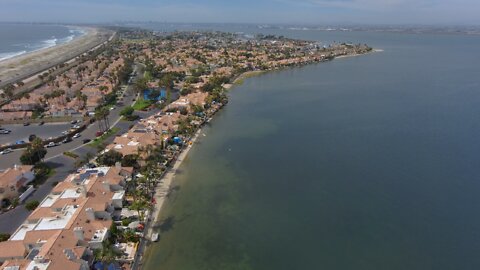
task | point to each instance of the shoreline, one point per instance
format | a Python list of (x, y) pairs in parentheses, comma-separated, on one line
[(360, 54), (238, 80), (167, 181), (168, 178), (26, 67), (160, 197), (83, 30)]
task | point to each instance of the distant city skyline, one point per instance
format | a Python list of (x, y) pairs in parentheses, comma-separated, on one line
[(430, 12)]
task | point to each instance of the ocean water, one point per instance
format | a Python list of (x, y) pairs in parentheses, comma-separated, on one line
[(369, 162), (18, 39)]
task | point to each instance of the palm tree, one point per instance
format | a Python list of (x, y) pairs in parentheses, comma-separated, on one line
[(101, 115)]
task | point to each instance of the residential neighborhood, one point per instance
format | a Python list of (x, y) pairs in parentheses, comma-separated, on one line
[(104, 214)]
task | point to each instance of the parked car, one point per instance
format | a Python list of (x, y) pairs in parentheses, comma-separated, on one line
[(26, 124), (86, 141), (77, 135), (99, 133), (51, 144), (41, 123), (5, 131), (20, 142), (65, 132), (67, 140), (74, 122), (76, 127), (6, 151)]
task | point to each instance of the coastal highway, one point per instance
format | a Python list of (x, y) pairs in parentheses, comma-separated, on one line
[(63, 165)]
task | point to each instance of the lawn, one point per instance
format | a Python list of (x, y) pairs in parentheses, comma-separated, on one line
[(141, 104), (99, 140)]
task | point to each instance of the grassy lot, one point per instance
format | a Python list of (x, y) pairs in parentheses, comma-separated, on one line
[(99, 141), (141, 104)]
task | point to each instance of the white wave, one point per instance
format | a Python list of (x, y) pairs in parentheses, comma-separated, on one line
[(67, 39), (5, 56), (77, 31), (49, 43)]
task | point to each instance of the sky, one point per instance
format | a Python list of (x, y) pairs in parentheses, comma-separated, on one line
[(425, 12)]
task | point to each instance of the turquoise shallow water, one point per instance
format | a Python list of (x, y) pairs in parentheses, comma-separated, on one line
[(369, 162)]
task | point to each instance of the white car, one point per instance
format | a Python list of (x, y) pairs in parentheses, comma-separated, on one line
[(77, 135), (6, 151), (65, 132), (51, 144), (76, 127)]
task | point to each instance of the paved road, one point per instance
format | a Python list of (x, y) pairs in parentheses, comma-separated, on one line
[(20, 132), (8, 160), (63, 165)]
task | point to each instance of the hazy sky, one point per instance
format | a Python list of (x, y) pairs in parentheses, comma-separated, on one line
[(253, 11)]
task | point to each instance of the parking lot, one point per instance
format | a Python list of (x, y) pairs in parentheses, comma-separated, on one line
[(20, 132)]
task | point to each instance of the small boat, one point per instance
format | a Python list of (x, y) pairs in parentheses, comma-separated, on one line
[(154, 237)]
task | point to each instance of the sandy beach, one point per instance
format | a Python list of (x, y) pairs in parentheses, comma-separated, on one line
[(160, 197), (164, 186), (25, 67)]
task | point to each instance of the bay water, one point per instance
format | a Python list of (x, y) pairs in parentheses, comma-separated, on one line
[(369, 162)]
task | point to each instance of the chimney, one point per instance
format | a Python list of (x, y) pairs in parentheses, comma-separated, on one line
[(79, 233), (106, 185), (90, 213)]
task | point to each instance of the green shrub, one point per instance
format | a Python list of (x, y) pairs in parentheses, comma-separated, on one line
[(70, 154), (32, 205)]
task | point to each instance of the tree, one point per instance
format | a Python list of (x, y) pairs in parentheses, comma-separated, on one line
[(108, 254), (34, 153), (8, 90), (32, 205), (101, 115), (140, 85), (140, 204), (109, 158), (4, 237), (130, 161), (32, 137), (103, 88), (127, 111)]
